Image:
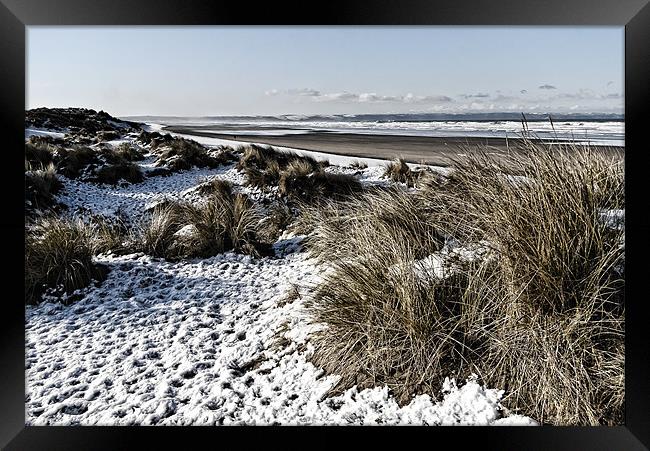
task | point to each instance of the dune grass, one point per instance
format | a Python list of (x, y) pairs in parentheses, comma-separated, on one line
[(99, 165), (129, 152), (297, 177), (279, 216), (400, 172), (298, 185), (41, 184), (73, 161), (215, 186), (350, 228), (58, 255), (176, 154), (39, 150), (113, 173), (224, 221), (260, 157), (156, 235), (264, 166), (557, 285), (540, 314)]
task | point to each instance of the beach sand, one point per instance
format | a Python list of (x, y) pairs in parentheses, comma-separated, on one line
[(438, 151)]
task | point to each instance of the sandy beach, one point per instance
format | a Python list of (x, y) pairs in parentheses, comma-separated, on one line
[(438, 151)]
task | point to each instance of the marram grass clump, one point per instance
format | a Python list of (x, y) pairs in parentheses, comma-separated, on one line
[(58, 255), (540, 313), (41, 185), (221, 222), (399, 171)]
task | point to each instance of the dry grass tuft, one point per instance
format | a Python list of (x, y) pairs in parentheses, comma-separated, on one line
[(279, 216), (346, 229), (40, 186), (58, 255), (176, 154), (224, 221), (557, 288), (540, 315), (113, 173), (260, 157), (399, 171), (129, 152), (263, 178), (102, 165), (298, 184), (215, 186), (157, 235), (111, 236), (358, 165), (266, 167), (39, 150), (76, 161)]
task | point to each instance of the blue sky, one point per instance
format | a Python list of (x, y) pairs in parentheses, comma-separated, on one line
[(325, 70)]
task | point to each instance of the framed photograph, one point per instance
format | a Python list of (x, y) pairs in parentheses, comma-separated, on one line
[(363, 215)]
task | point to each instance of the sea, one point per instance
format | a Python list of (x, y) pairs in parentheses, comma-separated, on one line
[(597, 129)]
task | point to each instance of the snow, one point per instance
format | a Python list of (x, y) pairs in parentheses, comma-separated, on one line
[(614, 218), (204, 341), (153, 127), (134, 199), (117, 142), (194, 343), (40, 132), (444, 263)]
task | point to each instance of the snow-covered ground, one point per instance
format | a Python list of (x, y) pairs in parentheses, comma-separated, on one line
[(36, 132), (133, 199), (205, 341)]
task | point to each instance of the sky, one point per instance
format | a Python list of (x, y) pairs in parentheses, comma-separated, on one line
[(209, 71)]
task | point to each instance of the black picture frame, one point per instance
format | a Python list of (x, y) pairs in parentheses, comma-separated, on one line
[(634, 15)]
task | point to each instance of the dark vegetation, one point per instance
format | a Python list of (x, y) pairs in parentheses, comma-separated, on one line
[(298, 178), (539, 314), (41, 184), (224, 221), (58, 256), (358, 165), (176, 154), (399, 171), (105, 164), (79, 121)]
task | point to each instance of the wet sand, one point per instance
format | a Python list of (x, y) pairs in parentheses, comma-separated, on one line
[(437, 151)]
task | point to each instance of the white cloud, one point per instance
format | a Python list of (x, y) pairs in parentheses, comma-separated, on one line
[(547, 98), (410, 98), (366, 97), (478, 95), (372, 97), (306, 92)]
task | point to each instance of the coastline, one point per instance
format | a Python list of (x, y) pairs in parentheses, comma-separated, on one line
[(437, 151)]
